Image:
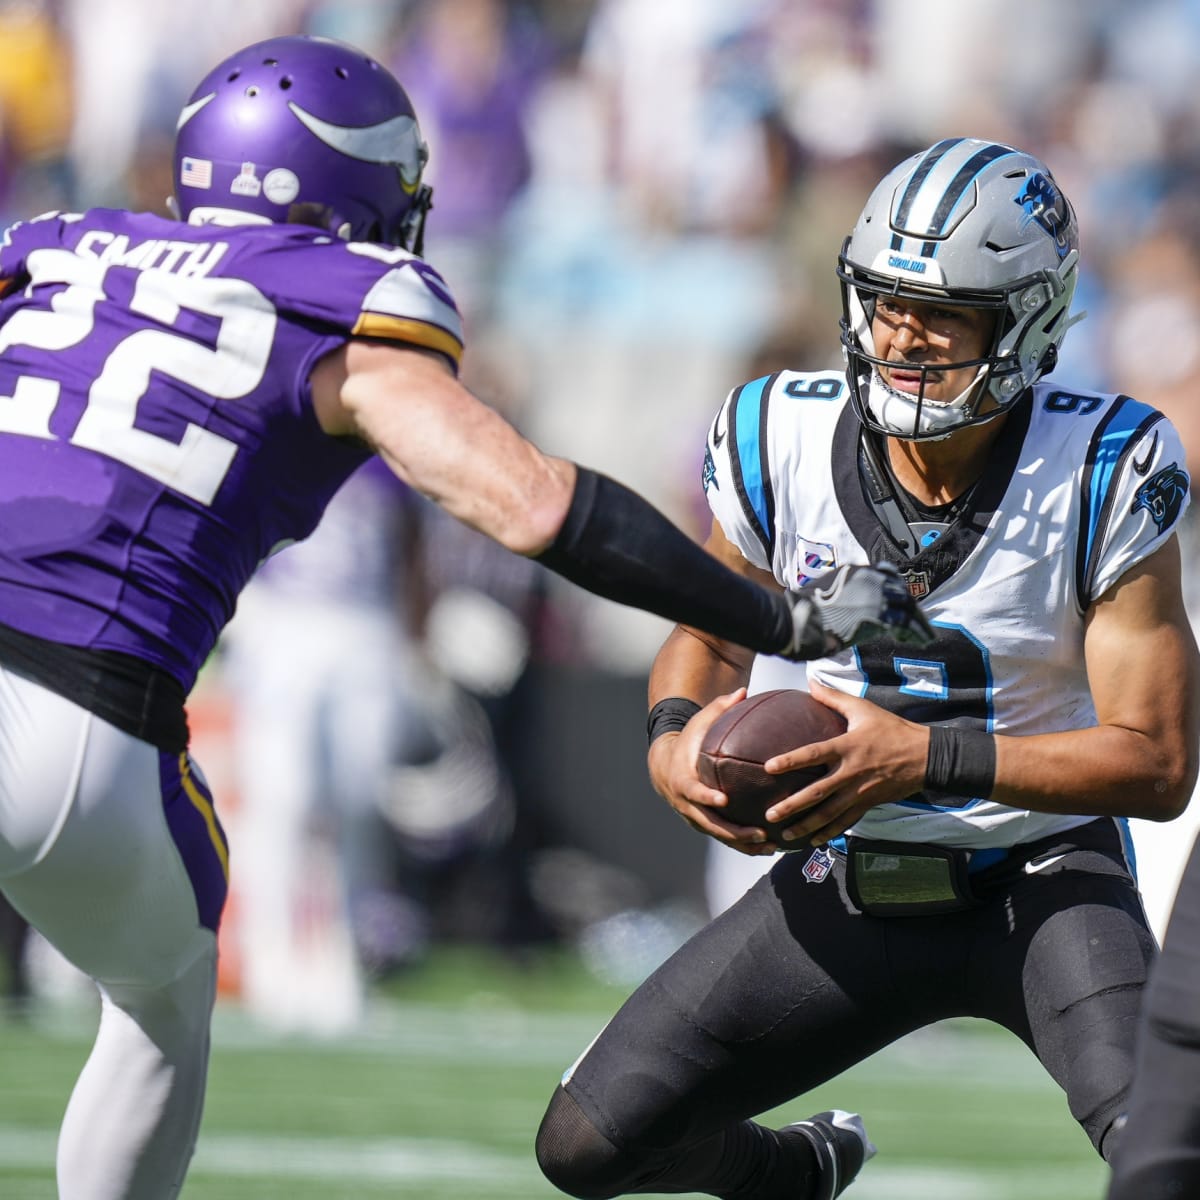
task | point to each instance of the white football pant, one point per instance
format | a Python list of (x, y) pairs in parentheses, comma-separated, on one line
[(111, 849)]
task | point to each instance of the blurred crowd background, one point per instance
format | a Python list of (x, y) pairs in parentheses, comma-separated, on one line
[(638, 204)]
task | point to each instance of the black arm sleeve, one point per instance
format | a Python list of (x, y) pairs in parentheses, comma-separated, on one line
[(617, 545)]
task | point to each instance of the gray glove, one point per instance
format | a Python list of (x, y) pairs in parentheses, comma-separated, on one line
[(854, 604)]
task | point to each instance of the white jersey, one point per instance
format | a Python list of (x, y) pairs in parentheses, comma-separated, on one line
[(1079, 488)]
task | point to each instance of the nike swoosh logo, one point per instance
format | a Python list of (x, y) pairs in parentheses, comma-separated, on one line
[(1040, 864), (1143, 467), (719, 432)]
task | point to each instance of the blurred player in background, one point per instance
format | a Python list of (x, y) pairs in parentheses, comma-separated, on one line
[(328, 686), (177, 400), (966, 853), (1159, 1153)]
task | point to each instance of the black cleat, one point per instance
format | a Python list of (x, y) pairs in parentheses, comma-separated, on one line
[(841, 1145)]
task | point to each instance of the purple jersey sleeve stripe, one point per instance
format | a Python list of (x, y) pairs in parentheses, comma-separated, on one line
[(183, 532), (398, 329)]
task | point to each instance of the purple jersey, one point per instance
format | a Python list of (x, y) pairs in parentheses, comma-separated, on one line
[(157, 437)]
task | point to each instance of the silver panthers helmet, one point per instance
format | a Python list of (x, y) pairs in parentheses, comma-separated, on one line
[(973, 224)]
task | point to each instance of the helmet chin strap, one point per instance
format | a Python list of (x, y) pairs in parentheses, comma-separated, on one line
[(881, 397)]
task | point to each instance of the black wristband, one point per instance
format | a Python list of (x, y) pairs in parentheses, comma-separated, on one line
[(961, 762), (669, 716), (619, 546)]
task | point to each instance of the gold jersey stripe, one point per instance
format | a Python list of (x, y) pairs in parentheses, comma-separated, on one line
[(204, 807), (399, 329)]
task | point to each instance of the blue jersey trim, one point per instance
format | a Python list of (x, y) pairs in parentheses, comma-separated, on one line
[(749, 433), (1121, 430), (1127, 845), (980, 859)]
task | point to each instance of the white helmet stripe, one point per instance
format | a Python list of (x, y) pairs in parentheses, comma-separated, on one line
[(396, 140), (947, 184), (192, 109)]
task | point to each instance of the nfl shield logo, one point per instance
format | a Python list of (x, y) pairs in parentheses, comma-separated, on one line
[(817, 867), (918, 584)]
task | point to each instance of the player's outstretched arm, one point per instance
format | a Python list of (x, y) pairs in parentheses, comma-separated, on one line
[(590, 529)]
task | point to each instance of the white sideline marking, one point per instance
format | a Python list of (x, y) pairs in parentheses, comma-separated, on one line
[(246, 1156), (405, 1160), (947, 1053), (378, 1160), (881, 1182)]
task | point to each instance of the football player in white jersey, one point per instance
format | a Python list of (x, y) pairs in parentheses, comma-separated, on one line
[(966, 853)]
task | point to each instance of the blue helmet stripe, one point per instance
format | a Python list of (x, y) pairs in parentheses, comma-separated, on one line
[(958, 191), (918, 177), (961, 183), (930, 202)]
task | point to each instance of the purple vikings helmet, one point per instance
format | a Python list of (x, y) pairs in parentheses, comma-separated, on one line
[(309, 122)]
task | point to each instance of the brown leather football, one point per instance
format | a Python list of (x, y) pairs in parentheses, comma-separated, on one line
[(758, 728)]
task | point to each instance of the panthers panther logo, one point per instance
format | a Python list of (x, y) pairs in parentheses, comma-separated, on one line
[(1045, 204), (1162, 496)]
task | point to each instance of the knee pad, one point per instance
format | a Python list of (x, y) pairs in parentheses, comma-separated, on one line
[(576, 1157)]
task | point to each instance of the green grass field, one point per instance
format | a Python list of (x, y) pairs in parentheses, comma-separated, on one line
[(438, 1098)]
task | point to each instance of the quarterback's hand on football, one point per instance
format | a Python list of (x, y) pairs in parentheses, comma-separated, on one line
[(880, 759), (672, 764), (854, 604)]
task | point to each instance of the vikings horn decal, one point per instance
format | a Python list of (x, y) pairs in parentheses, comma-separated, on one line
[(395, 140), (192, 109)]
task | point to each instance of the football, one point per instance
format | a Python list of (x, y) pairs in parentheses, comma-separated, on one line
[(743, 738)]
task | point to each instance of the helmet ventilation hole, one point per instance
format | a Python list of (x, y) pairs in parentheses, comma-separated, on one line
[(357, 198)]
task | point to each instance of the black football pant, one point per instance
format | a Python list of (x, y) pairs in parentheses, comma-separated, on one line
[(792, 985), (1158, 1154)]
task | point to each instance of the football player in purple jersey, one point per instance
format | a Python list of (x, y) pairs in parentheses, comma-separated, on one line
[(178, 399)]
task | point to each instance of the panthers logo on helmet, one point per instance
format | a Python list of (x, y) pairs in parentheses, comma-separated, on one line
[(1163, 495), (1045, 204)]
